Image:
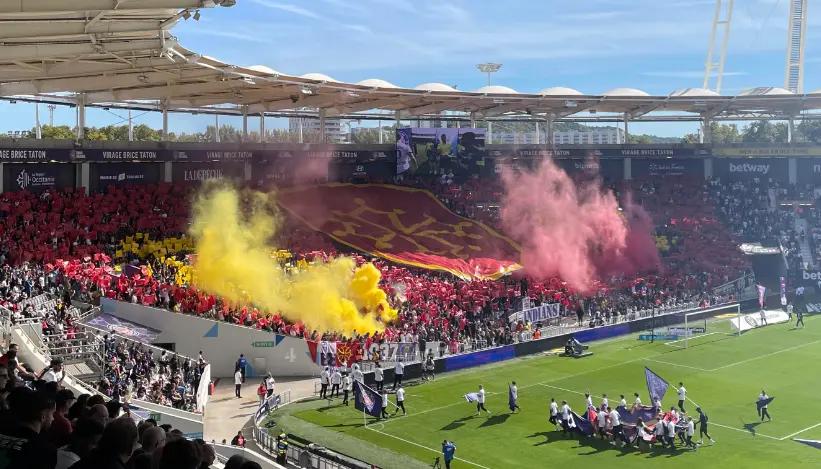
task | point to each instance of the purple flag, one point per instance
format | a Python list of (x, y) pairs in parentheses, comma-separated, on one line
[(813, 443), (656, 385), (761, 290)]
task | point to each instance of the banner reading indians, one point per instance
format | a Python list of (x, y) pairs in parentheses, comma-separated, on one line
[(405, 225)]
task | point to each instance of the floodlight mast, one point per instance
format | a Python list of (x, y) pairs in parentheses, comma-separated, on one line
[(489, 68)]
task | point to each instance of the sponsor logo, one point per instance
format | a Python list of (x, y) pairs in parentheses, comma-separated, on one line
[(122, 177), (666, 168), (263, 344), (749, 168), (202, 174), (23, 154), (228, 155), (34, 179), (586, 165), (811, 275), (816, 168)]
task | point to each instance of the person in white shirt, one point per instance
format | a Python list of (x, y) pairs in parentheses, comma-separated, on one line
[(682, 396), (615, 423), (514, 394), (384, 414), (623, 401), (379, 376), (601, 421), (357, 374), (237, 383), (657, 403), (400, 401), (763, 407), (566, 416), (398, 371), (54, 373), (336, 380), (637, 401), (324, 378), (480, 402), (554, 413), (659, 431), (588, 401), (605, 403), (670, 433), (269, 385), (347, 386), (690, 431)]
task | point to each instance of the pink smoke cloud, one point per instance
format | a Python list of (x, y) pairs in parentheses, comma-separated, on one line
[(574, 231)]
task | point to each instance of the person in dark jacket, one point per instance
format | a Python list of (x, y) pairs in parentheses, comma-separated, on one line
[(22, 440), (116, 445)]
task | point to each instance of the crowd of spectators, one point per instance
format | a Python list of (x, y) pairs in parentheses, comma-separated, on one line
[(86, 231), (133, 371), (45, 426)]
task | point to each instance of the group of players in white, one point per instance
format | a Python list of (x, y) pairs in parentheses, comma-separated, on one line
[(663, 428)]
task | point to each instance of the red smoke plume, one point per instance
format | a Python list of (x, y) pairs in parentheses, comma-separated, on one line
[(574, 231)]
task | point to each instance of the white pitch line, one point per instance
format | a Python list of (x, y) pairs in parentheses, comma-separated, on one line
[(425, 447), (789, 349), (691, 338), (677, 364), (744, 431), (800, 431)]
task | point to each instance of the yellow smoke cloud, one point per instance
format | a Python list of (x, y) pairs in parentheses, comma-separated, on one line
[(233, 261)]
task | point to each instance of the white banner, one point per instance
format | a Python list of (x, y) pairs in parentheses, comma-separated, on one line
[(391, 351), (537, 314), (202, 390), (754, 320)]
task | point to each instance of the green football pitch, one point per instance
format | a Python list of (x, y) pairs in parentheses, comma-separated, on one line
[(723, 374)]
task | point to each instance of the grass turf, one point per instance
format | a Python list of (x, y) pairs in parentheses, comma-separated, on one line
[(722, 374)]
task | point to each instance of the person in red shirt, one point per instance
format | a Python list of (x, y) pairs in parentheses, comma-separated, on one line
[(238, 440), (60, 430)]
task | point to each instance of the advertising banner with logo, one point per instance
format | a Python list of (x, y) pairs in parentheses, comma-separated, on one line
[(37, 177), (809, 170), (768, 150), (207, 170), (34, 155), (212, 155), (748, 169), (667, 167), (616, 151), (377, 172), (121, 155), (335, 154), (118, 174)]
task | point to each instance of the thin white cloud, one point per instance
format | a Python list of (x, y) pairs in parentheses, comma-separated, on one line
[(686, 74), (230, 35), (287, 7)]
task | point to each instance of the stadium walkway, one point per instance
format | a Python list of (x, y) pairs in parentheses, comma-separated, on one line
[(225, 414)]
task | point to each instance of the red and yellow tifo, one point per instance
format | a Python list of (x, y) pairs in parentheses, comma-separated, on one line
[(404, 225)]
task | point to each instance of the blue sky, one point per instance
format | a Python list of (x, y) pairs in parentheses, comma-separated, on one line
[(590, 45)]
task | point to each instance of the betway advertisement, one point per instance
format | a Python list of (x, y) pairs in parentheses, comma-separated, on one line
[(749, 169), (206, 171), (103, 175), (34, 177)]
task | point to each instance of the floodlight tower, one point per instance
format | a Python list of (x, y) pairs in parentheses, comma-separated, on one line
[(489, 68), (721, 27), (796, 30)]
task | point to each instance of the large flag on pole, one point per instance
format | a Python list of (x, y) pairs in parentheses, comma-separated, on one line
[(367, 400), (759, 404), (656, 385), (584, 425), (761, 290)]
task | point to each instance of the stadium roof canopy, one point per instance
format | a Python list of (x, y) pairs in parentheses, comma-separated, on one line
[(122, 53)]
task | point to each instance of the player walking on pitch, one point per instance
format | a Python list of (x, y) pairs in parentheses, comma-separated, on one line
[(702, 427), (682, 396), (480, 402)]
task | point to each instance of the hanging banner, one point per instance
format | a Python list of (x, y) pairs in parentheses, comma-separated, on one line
[(97, 154), (351, 156), (212, 155), (34, 155), (34, 177), (103, 175), (615, 151), (667, 167), (206, 171)]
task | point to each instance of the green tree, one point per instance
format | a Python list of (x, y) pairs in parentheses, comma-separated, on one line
[(56, 132), (764, 132), (809, 131)]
